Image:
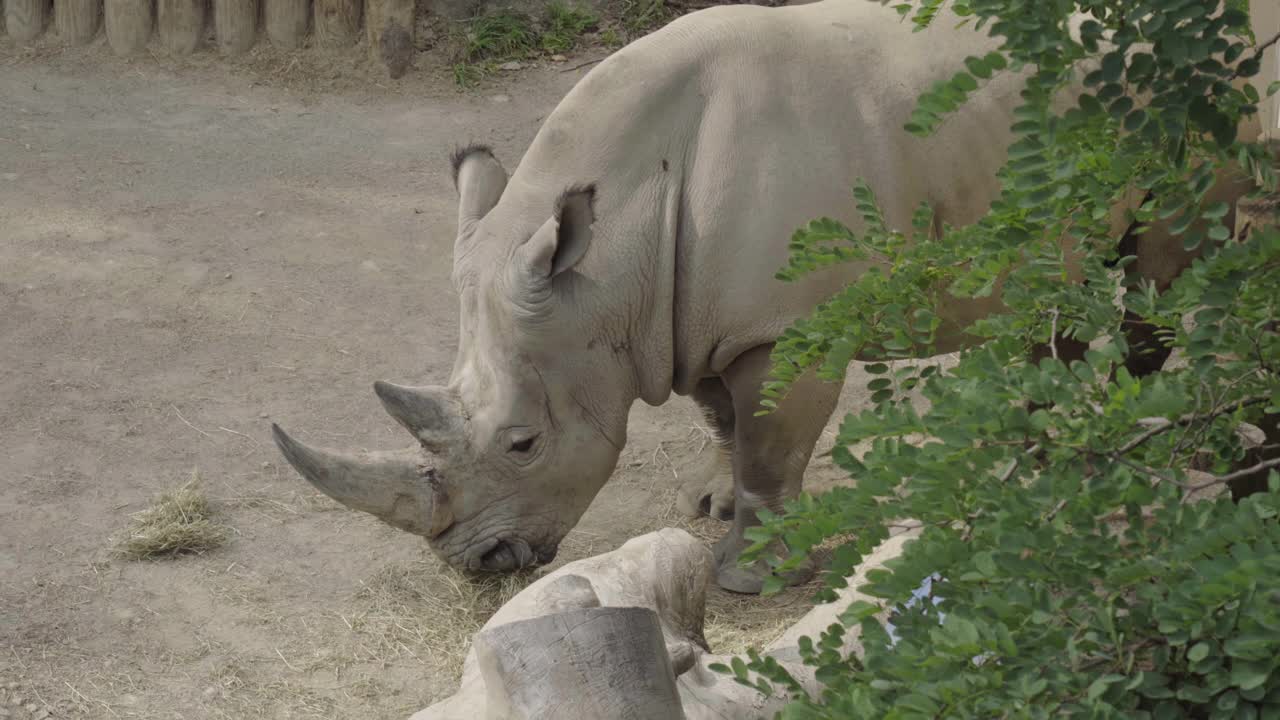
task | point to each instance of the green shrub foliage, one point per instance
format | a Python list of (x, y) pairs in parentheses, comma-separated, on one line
[(1081, 569)]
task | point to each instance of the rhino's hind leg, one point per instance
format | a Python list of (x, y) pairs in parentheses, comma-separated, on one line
[(709, 490), (770, 455)]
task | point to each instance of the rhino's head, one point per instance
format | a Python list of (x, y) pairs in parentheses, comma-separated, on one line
[(512, 451)]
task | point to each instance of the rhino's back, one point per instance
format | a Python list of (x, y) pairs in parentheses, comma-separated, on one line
[(764, 118), (796, 113)]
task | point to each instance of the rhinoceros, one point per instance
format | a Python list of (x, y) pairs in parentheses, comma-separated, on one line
[(632, 255)]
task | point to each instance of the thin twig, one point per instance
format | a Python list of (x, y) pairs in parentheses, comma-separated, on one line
[(1222, 479), (1185, 420), (235, 432), (1013, 464), (588, 63), (1053, 335), (286, 662), (1262, 49), (193, 427)]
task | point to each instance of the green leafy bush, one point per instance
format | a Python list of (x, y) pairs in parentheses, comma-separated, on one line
[(1084, 568)]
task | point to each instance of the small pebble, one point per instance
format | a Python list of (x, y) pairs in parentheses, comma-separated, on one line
[(511, 65), (263, 415), (227, 276), (500, 99), (260, 213), (558, 58)]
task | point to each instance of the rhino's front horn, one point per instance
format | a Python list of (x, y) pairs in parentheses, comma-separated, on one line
[(431, 413), (393, 486)]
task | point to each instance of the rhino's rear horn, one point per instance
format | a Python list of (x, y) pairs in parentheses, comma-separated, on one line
[(430, 413)]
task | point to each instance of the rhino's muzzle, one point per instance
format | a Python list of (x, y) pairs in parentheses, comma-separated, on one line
[(396, 487)]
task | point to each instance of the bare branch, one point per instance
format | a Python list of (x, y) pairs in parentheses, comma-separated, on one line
[(1260, 51), (1013, 464), (1186, 420), (1223, 479), (1053, 335)]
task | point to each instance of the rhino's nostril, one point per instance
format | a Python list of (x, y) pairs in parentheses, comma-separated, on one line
[(499, 558), (508, 555)]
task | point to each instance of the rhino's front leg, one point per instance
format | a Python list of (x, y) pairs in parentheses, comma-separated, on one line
[(709, 489), (770, 454)]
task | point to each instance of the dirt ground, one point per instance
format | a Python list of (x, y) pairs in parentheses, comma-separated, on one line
[(190, 250)]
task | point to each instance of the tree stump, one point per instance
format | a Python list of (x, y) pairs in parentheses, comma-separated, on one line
[(128, 24), (180, 24), (389, 28), (76, 20), (337, 22), (286, 22), (25, 19), (604, 663), (235, 25)]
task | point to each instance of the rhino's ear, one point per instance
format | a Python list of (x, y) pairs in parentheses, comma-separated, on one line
[(563, 239), (480, 180)]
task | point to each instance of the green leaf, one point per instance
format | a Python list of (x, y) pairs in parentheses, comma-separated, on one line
[(1247, 675), (964, 82), (1198, 652)]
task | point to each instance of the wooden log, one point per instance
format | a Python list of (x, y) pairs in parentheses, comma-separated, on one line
[(389, 28), (286, 22), (76, 20), (235, 25), (25, 19), (604, 663), (180, 24), (128, 24), (337, 22)]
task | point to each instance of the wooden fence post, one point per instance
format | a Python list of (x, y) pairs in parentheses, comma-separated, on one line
[(128, 24), (76, 20), (180, 24), (286, 22), (337, 22), (25, 19), (235, 25)]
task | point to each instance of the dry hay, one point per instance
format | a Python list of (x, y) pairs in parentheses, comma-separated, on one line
[(429, 611), (178, 522)]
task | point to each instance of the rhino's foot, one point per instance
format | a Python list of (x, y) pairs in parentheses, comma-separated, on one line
[(709, 491), (749, 580)]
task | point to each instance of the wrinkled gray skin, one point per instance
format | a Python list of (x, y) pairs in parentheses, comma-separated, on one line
[(632, 255)]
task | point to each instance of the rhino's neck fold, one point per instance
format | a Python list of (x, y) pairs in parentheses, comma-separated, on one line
[(653, 352)]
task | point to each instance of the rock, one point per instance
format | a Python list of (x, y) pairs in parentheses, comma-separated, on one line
[(666, 572), (511, 65), (1251, 436), (558, 58), (260, 213), (500, 99), (396, 49)]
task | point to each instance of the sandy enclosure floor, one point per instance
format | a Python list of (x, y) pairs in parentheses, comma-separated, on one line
[(187, 254)]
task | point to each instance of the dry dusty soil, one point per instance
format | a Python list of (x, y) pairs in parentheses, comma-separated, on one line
[(189, 251)]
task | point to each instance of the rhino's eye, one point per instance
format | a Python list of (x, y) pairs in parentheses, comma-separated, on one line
[(524, 445)]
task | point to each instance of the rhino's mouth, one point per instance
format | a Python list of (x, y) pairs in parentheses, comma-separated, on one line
[(504, 554)]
